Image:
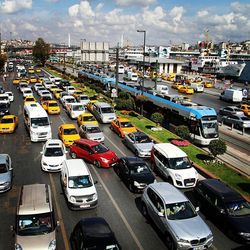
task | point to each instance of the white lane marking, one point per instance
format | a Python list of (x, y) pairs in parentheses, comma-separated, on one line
[(115, 145), (119, 211)]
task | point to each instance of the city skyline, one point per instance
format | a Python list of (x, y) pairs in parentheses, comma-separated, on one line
[(166, 22)]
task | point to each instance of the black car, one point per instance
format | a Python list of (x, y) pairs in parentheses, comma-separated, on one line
[(134, 172), (63, 83), (226, 207), (93, 233), (4, 109)]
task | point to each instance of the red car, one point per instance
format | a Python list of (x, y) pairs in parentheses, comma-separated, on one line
[(94, 152)]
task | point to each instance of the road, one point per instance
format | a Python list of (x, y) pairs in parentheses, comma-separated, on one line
[(116, 204)]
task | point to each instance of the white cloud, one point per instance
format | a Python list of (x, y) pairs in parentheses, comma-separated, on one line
[(176, 13), (99, 6), (134, 2), (29, 27), (73, 10), (202, 13), (12, 6)]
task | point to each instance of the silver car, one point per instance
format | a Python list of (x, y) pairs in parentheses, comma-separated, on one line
[(91, 132), (239, 121), (139, 143), (176, 217), (6, 173), (231, 110)]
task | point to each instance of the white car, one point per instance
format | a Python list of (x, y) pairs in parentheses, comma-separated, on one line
[(37, 85), (52, 78), (70, 89), (46, 93), (57, 80), (40, 90), (47, 84), (11, 96), (75, 109), (84, 99), (27, 92), (23, 85), (53, 155), (4, 98), (67, 99)]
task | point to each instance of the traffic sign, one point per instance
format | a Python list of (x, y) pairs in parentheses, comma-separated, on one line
[(114, 93)]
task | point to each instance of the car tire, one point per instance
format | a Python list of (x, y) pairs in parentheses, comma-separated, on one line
[(170, 242), (144, 210), (97, 164), (73, 155)]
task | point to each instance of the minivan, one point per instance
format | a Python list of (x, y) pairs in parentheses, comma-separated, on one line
[(231, 95), (226, 207), (173, 164), (103, 112), (35, 225), (78, 185)]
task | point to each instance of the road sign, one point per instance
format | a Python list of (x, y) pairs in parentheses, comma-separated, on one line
[(113, 93)]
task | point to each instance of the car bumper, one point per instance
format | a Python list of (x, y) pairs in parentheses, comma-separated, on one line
[(51, 168), (5, 188), (83, 206), (187, 246)]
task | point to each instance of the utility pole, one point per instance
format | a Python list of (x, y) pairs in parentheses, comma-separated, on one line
[(116, 68), (156, 70)]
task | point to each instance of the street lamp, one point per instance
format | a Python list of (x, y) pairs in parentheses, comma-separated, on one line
[(84, 62), (143, 72)]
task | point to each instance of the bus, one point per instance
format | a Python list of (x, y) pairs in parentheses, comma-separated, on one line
[(201, 120)]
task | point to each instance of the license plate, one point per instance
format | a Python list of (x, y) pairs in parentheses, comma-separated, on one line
[(84, 206), (199, 248), (190, 184)]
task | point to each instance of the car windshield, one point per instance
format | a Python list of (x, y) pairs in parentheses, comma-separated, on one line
[(142, 139), (57, 151), (139, 169), (89, 118), (84, 98), (7, 120), (4, 98), (70, 100), (78, 108), (3, 168), (35, 224), (126, 125), (100, 148), (237, 110), (93, 130), (180, 211), (70, 131), (80, 181), (107, 110), (238, 208), (3, 105), (41, 121), (243, 118), (179, 163), (53, 104)]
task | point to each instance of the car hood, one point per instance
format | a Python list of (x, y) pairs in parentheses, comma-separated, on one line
[(41, 242), (184, 173), (143, 178), (241, 224), (92, 136), (53, 160), (81, 191), (146, 147), (6, 125), (5, 177), (108, 155), (190, 229)]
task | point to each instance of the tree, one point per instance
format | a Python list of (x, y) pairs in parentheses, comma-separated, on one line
[(183, 132), (217, 147), (157, 118), (41, 51), (3, 59)]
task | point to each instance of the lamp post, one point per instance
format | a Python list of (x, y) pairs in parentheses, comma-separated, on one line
[(84, 62), (143, 71)]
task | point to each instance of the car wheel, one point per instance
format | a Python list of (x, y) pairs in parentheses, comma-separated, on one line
[(169, 242), (97, 164), (144, 211), (73, 155)]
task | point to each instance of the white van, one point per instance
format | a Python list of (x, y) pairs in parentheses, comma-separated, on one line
[(198, 87), (103, 112), (37, 122), (173, 164), (35, 226), (78, 185), (131, 76), (231, 95)]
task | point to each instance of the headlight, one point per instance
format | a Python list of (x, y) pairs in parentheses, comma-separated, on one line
[(178, 177), (104, 160), (72, 198), (7, 183), (155, 181), (52, 245), (246, 235), (94, 196), (183, 241), (136, 184), (18, 247), (45, 164), (210, 236)]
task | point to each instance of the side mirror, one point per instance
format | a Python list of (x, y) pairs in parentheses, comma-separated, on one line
[(222, 211), (66, 152), (197, 209), (160, 214), (58, 223), (41, 152)]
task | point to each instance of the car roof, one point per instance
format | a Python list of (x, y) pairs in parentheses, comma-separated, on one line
[(8, 116), (131, 160), (170, 150), (138, 133), (121, 119), (3, 158), (168, 192), (90, 125), (86, 114), (68, 125), (76, 167), (88, 142), (53, 143), (225, 192)]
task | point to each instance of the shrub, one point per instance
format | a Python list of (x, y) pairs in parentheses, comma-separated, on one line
[(217, 147), (127, 104), (157, 117), (182, 131)]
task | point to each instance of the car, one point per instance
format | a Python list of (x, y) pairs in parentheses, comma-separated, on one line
[(4, 108), (31, 70), (122, 126), (22, 85), (139, 143), (11, 95), (75, 109), (4, 98), (68, 134), (83, 99), (77, 93), (45, 93), (51, 106), (52, 78), (29, 99), (53, 155), (186, 90), (93, 152), (177, 85), (38, 70), (86, 118), (33, 79), (52, 88), (6, 173), (39, 90), (226, 207), (93, 233), (16, 80), (245, 108), (57, 92), (61, 95), (67, 99), (2, 89), (134, 172), (45, 98), (238, 121), (69, 89), (208, 84), (63, 83), (91, 132), (175, 217), (47, 84), (27, 92), (231, 110), (37, 85), (8, 124)]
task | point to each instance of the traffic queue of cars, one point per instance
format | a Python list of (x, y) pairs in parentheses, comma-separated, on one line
[(169, 209)]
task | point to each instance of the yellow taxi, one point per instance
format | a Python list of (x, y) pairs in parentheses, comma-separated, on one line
[(56, 92), (52, 88), (245, 108), (31, 70), (92, 100), (68, 134), (208, 84), (33, 79), (29, 99), (186, 90), (77, 92), (16, 80), (8, 124), (86, 118), (51, 106), (122, 126), (177, 85), (38, 70)]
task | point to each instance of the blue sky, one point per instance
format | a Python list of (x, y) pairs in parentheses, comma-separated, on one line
[(166, 21)]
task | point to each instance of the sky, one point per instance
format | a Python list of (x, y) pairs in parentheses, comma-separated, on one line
[(166, 22)]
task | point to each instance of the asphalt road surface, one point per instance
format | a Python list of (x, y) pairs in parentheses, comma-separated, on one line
[(117, 204)]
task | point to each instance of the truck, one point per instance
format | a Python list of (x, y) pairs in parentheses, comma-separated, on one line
[(231, 95), (131, 76)]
